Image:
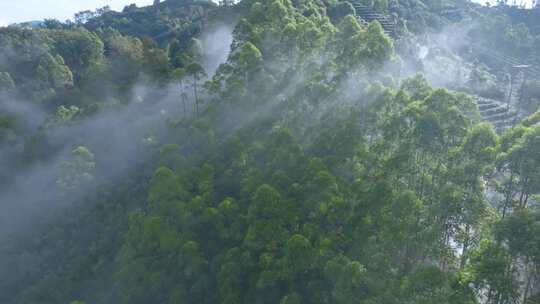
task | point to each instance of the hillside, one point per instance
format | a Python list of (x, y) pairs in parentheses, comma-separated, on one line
[(281, 151)]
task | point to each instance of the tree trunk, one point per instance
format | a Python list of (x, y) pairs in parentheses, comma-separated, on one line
[(184, 104), (489, 295), (527, 287), (183, 96), (466, 244), (508, 194), (523, 193), (196, 95)]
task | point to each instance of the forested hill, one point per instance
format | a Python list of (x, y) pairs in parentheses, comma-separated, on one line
[(305, 151)]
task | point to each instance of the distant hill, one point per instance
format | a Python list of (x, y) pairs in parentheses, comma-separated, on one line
[(28, 24)]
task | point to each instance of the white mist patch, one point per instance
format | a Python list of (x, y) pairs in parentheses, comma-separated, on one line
[(216, 44), (438, 56), (445, 69), (423, 52), (120, 136)]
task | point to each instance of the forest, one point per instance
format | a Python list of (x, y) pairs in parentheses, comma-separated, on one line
[(272, 152)]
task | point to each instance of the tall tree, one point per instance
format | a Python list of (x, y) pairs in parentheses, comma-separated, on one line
[(197, 74)]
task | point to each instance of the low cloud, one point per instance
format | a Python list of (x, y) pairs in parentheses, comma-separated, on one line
[(120, 136)]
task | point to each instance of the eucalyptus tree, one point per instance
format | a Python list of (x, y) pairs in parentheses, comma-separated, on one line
[(6, 82), (179, 74), (197, 73)]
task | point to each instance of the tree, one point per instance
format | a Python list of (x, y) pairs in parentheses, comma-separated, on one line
[(124, 58), (81, 50), (64, 115), (521, 232), (179, 74), (155, 60), (428, 283), (248, 59), (77, 171), (54, 72), (524, 163), (347, 278), (379, 48), (476, 159), (6, 82), (268, 224), (53, 24), (491, 269), (299, 254), (197, 73), (353, 41), (339, 10), (83, 16)]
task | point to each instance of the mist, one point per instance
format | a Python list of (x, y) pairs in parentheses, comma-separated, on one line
[(216, 43), (120, 136)]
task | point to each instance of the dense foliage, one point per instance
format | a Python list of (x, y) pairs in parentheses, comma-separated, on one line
[(303, 170)]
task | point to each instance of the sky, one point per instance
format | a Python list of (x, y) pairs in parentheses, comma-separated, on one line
[(12, 11)]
